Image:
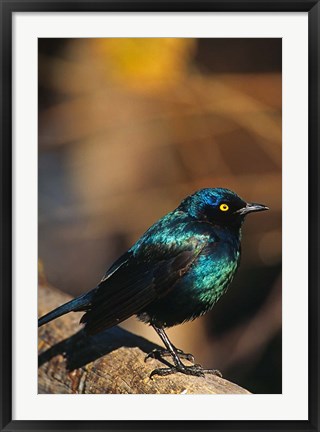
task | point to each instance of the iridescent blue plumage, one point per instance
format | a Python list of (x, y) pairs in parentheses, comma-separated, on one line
[(175, 272)]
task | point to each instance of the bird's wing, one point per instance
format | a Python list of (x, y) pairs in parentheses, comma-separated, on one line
[(137, 279)]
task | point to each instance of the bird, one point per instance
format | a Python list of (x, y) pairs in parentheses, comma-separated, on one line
[(175, 272)]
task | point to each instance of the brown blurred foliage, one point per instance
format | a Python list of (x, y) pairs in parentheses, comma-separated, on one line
[(127, 128)]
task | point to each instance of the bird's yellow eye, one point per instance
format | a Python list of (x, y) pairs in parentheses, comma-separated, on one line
[(224, 207)]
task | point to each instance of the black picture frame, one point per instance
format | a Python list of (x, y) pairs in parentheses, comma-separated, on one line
[(7, 9)]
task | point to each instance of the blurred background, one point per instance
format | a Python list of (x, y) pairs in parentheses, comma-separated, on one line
[(127, 129)]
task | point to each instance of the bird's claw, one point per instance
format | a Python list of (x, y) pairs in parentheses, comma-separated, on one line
[(215, 372), (195, 370), (159, 353)]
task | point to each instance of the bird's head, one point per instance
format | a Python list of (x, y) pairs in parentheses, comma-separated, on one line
[(219, 206)]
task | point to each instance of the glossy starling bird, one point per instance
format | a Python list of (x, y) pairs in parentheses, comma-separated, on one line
[(174, 273)]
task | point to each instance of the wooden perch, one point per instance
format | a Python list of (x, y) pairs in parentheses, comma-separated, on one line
[(110, 362)]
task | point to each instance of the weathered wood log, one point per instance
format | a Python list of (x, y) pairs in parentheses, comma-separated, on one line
[(110, 362)]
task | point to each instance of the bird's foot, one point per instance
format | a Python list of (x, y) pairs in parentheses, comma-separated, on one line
[(195, 370), (159, 353)]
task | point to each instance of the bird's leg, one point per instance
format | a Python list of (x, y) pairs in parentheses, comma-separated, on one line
[(160, 353), (195, 370)]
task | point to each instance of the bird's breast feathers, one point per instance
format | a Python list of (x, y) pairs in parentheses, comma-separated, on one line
[(213, 272), (216, 254)]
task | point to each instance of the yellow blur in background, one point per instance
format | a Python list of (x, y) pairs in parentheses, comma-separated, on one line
[(145, 64), (127, 129)]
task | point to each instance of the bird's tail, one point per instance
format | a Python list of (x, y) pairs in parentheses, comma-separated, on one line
[(81, 303)]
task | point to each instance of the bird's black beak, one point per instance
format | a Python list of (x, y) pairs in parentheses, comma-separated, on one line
[(251, 207)]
